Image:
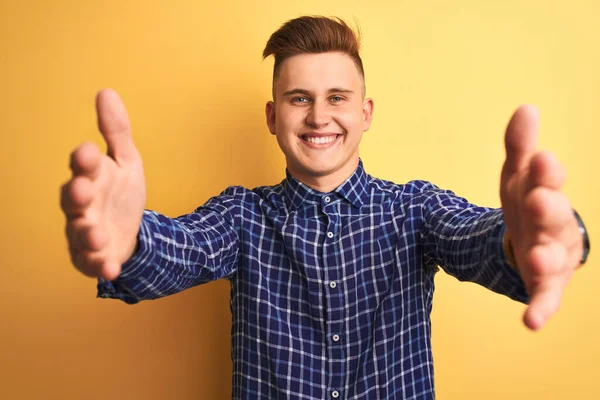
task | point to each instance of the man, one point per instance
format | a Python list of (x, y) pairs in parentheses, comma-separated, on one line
[(331, 270)]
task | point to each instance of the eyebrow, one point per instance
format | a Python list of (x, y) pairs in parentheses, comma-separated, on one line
[(307, 93)]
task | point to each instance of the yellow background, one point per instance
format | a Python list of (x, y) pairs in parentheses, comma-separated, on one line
[(445, 77)]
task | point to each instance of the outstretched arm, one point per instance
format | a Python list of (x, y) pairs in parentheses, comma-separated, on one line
[(139, 254)]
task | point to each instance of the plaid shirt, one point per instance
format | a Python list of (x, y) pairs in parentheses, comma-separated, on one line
[(331, 293)]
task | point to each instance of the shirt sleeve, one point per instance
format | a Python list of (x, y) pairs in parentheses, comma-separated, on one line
[(467, 242), (175, 254)]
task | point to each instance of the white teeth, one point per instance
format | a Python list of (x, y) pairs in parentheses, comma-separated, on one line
[(320, 140)]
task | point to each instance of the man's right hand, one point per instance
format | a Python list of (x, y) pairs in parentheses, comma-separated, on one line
[(104, 200)]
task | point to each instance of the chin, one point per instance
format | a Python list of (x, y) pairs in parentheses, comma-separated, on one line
[(321, 168)]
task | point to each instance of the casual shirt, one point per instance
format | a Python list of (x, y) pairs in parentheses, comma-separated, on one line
[(331, 293)]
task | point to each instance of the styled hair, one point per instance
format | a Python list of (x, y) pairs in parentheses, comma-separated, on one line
[(313, 35)]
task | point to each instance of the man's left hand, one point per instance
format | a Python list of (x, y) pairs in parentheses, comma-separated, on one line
[(542, 229)]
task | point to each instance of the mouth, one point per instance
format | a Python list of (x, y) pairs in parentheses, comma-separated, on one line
[(320, 141)]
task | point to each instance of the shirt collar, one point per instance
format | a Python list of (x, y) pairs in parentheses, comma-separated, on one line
[(353, 189)]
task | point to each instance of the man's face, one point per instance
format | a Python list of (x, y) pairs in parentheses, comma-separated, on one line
[(319, 116)]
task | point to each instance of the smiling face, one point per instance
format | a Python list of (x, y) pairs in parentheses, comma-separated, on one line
[(319, 116)]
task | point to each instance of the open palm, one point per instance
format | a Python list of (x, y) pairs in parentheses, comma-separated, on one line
[(104, 200), (541, 225)]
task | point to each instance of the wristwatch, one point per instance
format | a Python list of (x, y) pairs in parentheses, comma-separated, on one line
[(586, 238)]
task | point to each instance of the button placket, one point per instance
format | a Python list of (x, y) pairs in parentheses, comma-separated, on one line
[(336, 362)]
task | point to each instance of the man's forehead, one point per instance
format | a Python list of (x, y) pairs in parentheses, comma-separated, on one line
[(319, 62), (322, 71)]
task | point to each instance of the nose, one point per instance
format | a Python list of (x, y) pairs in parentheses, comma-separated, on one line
[(318, 115)]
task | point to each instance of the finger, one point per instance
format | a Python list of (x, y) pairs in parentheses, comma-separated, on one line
[(75, 234), (86, 237), (546, 171), (545, 269), (76, 196), (95, 238), (110, 270), (520, 140), (89, 263), (114, 125), (96, 264), (548, 210), (543, 305), (86, 160)]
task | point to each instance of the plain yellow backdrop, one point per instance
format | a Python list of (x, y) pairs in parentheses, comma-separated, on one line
[(445, 77)]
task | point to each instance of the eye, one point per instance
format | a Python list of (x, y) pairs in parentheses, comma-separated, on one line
[(336, 99), (300, 99)]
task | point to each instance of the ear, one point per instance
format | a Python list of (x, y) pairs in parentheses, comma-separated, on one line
[(270, 114), (368, 108)]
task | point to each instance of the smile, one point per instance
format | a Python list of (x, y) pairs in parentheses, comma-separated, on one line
[(320, 141)]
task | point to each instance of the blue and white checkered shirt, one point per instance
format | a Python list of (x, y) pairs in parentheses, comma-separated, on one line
[(331, 293)]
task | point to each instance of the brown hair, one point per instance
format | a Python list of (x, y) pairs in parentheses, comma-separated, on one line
[(313, 34)]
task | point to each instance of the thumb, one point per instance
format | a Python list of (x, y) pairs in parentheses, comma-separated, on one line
[(114, 125), (520, 140)]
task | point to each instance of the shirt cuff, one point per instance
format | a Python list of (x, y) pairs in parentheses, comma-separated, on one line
[(510, 272)]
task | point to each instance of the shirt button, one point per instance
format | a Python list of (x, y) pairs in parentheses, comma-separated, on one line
[(327, 199), (335, 338), (332, 284), (329, 235), (335, 394)]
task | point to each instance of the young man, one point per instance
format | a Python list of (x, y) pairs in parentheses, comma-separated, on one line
[(331, 270)]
